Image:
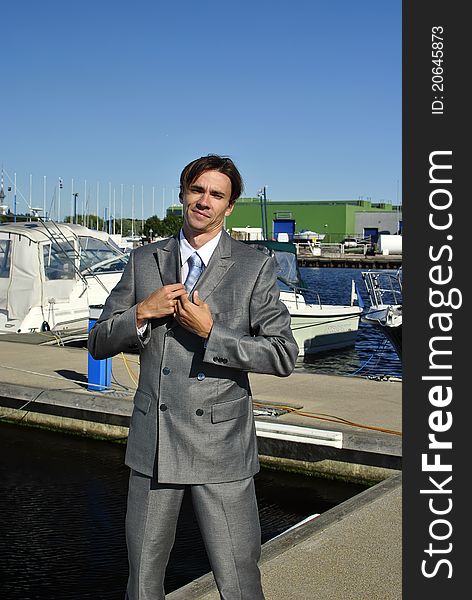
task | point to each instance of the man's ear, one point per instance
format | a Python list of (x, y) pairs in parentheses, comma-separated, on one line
[(229, 210)]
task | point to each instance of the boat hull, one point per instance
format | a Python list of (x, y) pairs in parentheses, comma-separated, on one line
[(392, 333), (325, 331), (389, 320)]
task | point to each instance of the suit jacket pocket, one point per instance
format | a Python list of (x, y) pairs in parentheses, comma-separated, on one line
[(142, 400), (225, 411), (228, 315)]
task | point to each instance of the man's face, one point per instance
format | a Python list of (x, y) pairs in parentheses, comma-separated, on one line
[(206, 203)]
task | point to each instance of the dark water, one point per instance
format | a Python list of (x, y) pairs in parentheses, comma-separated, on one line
[(62, 516), (373, 354)]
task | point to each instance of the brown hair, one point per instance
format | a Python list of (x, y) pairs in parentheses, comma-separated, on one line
[(212, 162)]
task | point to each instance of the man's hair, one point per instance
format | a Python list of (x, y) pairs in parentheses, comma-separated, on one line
[(212, 162)]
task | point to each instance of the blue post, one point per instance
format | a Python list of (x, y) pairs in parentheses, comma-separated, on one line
[(99, 371)]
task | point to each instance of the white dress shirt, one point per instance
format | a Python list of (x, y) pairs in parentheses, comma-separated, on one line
[(205, 252)]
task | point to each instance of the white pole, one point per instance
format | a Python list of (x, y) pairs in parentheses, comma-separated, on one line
[(132, 212), (72, 202), (153, 210), (109, 207), (84, 204), (14, 197), (58, 215), (98, 196), (121, 212), (163, 196), (142, 209), (30, 196), (44, 197), (114, 209)]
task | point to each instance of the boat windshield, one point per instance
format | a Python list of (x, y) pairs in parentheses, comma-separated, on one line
[(96, 256), (100, 257), (287, 272)]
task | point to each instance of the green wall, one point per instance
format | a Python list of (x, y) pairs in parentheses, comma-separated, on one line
[(336, 219)]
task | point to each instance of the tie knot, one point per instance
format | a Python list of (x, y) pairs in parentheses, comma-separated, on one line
[(194, 260)]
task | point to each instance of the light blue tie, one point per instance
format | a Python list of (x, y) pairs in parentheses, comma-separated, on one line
[(195, 269)]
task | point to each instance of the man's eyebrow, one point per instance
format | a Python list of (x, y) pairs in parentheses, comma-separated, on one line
[(198, 188)]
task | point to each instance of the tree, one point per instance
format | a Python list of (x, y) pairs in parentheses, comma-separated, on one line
[(172, 225), (153, 224), (162, 227)]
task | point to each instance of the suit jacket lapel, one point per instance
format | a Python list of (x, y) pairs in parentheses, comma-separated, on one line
[(168, 261), (217, 268)]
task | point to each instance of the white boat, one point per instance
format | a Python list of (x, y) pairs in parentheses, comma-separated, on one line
[(384, 289), (50, 273), (316, 327)]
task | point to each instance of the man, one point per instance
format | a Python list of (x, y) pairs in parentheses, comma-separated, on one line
[(192, 424)]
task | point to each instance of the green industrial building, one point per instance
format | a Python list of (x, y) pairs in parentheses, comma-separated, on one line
[(335, 219)]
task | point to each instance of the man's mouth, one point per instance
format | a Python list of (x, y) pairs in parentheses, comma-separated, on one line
[(200, 213)]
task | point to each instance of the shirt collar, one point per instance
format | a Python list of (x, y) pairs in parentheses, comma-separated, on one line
[(205, 252)]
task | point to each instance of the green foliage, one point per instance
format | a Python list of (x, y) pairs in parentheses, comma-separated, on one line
[(162, 227)]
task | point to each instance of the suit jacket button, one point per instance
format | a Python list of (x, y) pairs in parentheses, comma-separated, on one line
[(166, 370), (163, 407), (201, 376), (199, 412), (170, 333)]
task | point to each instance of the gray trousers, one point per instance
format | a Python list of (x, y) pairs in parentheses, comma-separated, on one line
[(228, 519)]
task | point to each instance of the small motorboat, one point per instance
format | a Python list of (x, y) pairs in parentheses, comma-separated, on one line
[(384, 289), (316, 326), (50, 273)]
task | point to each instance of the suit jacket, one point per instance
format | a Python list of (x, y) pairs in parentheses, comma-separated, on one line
[(192, 420)]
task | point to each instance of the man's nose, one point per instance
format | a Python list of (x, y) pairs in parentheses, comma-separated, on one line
[(204, 198)]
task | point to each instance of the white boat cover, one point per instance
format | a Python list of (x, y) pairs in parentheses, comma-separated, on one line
[(40, 263)]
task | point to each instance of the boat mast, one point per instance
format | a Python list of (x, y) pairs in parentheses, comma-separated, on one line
[(121, 212), (44, 196), (59, 200), (30, 196), (14, 198), (142, 209), (98, 196), (2, 193), (132, 213)]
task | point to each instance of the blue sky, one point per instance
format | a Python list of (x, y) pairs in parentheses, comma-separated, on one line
[(305, 96)]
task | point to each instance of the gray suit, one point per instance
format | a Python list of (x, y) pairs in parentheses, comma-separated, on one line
[(192, 421)]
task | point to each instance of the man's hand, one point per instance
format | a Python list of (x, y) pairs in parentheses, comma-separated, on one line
[(194, 316), (161, 303)]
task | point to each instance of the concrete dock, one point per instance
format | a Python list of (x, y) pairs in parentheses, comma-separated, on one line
[(331, 425)]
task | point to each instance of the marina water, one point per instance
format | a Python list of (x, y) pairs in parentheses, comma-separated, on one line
[(63, 511), (373, 355)]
